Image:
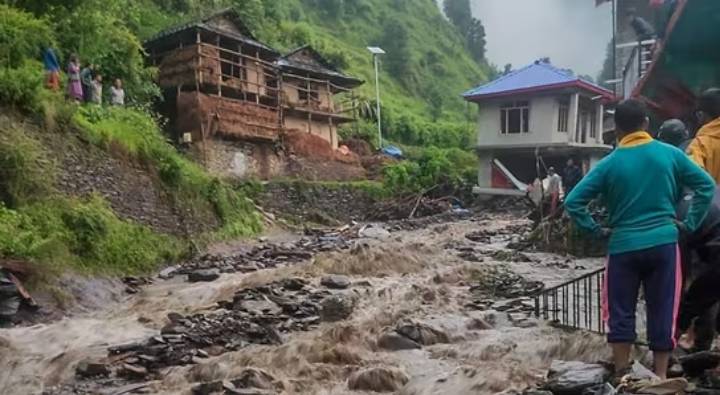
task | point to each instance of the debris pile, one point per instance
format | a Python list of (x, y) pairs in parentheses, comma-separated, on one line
[(493, 282), (258, 315), (267, 255), (411, 207)]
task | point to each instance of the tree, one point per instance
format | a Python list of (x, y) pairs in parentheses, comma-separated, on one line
[(475, 38), (507, 69), (333, 8), (396, 42), (459, 13)]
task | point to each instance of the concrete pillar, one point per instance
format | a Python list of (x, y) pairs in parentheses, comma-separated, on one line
[(599, 122), (573, 117), (485, 169)]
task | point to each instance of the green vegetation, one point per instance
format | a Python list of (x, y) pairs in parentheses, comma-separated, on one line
[(431, 167)]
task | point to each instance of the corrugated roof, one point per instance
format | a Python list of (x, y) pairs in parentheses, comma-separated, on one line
[(322, 67), (246, 36), (534, 77)]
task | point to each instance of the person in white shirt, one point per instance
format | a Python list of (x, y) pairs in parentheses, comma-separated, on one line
[(117, 93), (554, 182), (96, 96)]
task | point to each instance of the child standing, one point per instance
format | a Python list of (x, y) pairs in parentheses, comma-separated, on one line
[(96, 96), (640, 182), (117, 93)]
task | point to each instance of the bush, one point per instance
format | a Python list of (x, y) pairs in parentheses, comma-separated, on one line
[(431, 167), (22, 36), (21, 87), (25, 173), (84, 235)]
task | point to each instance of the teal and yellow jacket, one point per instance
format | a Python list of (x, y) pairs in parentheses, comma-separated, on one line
[(640, 183)]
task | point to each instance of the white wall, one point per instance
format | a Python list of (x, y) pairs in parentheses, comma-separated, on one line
[(543, 123)]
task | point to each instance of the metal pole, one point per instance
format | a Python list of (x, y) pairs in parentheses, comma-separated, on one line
[(377, 99), (614, 49)]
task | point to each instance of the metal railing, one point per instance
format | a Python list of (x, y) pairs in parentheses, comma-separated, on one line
[(575, 304)]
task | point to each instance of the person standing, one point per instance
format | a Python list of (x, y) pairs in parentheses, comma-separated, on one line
[(554, 184), (97, 87), (705, 147), (75, 89), (571, 176), (87, 75), (52, 69), (643, 231), (117, 93)]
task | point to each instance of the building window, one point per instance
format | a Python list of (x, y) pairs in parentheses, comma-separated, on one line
[(308, 95), (515, 117), (563, 116)]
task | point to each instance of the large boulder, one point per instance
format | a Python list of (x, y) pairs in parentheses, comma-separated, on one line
[(336, 308), (393, 341), (379, 379), (422, 333), (571, 378), (696, 364)]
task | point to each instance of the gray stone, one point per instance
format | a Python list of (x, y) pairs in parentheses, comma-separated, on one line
[(571, 378), (697, 363), (203, 275), (422, 333), (335, 282), (378, 379), (374, 233), (394, 342), (261, 307), (207, 388), (336, 308), (88, 368)]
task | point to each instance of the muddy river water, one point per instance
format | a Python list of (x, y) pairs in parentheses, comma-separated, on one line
[(419, 277)]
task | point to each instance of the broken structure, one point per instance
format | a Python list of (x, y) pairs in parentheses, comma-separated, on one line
[(234, 98), (533, 118), (683, 63)]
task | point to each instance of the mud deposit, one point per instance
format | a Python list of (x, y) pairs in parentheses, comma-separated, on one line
[(435, 307)]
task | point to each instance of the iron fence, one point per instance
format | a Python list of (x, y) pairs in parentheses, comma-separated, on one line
[(575, 304)]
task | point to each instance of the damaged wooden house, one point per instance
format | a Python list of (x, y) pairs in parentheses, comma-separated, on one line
[(533, 118), (247, 111)]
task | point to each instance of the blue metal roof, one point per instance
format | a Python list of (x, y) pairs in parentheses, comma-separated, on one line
[(536, 76)]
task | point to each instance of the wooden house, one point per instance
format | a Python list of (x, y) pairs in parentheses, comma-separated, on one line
[(217, 79), (315, 96)]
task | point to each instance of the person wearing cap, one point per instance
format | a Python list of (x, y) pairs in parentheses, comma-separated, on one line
[(674, 132), (705, 147), (640, 183)]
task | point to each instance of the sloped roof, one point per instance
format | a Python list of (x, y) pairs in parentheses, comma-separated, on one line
[(206, 23), (316, 65), (538, 76)]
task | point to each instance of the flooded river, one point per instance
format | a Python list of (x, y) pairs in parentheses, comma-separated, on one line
[(418, 279)]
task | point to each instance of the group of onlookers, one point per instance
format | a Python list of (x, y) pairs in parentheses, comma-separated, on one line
[(663, 208), (85, 85)]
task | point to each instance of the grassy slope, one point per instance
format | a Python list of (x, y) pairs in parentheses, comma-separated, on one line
[(428, 30)]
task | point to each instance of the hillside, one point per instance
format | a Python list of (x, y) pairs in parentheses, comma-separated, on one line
[(422, 76)]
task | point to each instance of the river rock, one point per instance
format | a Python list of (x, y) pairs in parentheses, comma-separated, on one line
[(336, 308), (335, 282), (378, 379), (203, 275), (88, 368), (697, 363), (393, 341), (132, 371), (207, 388), (375, 233), (256, 378), (571, 378), (422, 333), (260, 307)]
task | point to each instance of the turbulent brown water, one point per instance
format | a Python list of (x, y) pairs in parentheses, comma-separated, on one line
[(414, 275)]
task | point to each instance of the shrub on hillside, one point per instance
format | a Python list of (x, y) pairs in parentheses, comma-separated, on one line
[(25, 173), (21, 87), (22, 36)]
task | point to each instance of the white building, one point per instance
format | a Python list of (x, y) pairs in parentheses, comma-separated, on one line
[(533, 118)]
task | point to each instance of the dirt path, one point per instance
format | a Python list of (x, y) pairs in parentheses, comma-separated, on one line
[(411, 282)]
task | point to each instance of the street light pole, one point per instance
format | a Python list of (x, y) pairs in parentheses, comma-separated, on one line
[(377, 100), (377, 51)]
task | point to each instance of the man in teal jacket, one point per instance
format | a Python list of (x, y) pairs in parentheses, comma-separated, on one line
[(640, 183)]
